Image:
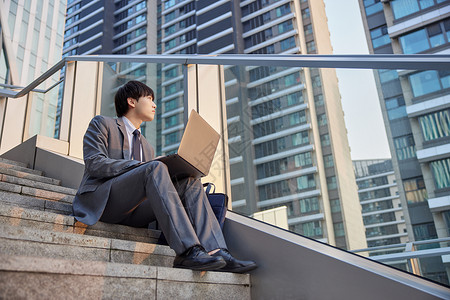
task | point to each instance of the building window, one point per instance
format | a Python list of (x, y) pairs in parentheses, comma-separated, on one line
[(328, 161), (335, 205), (169, 4), (405, 147), (372, 6), (170, 44), (435, 125), (170, 30), (306, 13), (308, 29), (297, 118), (303, 159), (424, 231), (396, 108), (295, 98), (441, 173), (415, 191), (300, 138), (426, 38), (169, 17), (387, 75), (427, 82), (322, 119), (331, 183), (306, 182), (171, 138), (285, 26), (287, 44), (171, 89), (283, 10), (309, 205), (380, 36), (318, 100), (325, 139), (311, 47), (403, 8), (316, 82), (312, 229), (171, 121), (339, 229)]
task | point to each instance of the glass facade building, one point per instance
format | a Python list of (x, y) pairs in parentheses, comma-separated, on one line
[(380, 202), (31, 40), (415, 108)]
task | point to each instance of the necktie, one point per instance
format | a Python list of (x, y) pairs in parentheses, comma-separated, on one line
[(136, 150)]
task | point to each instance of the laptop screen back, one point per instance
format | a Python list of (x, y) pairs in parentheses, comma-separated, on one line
[(199, 143)]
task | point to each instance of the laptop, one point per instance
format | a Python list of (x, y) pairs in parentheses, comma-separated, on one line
[(196, 151)]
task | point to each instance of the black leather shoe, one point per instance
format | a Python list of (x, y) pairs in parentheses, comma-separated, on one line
[(234, 265), (196, 258)]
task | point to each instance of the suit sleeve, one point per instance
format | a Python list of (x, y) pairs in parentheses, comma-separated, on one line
[(95, 150)]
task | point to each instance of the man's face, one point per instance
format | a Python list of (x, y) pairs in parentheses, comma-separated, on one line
[(145, 108)]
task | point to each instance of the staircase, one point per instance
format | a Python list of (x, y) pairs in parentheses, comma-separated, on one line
[(46, 254)]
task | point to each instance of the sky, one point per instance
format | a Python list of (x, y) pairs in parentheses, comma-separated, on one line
[(362, 112)]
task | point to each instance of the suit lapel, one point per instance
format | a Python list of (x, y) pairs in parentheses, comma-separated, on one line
[(147, 150), (126, 144)]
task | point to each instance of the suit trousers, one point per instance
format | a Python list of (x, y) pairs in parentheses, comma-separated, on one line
[(146, 193)]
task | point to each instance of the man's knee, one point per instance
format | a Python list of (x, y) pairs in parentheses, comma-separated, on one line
[(156, 166)]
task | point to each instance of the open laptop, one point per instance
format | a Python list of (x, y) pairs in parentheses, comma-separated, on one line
[(196, 151)]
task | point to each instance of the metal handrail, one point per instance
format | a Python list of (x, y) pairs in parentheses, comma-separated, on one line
[(439, 62), (403, 245)]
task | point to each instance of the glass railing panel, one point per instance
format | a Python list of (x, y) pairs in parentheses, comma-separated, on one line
[(44, 114), (167, 82), (291, 160)]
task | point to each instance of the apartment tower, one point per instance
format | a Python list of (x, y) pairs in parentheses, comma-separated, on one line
[(415, 107), (287, 138)]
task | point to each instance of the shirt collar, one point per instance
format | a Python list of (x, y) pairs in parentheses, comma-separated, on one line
[(129, 126)]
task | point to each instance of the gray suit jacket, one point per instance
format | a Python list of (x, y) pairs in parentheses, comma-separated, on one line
[(105, 151)]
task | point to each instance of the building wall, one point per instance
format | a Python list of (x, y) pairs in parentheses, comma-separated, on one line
[(32, 37)]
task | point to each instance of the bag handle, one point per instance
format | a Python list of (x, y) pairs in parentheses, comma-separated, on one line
[(208, 186)]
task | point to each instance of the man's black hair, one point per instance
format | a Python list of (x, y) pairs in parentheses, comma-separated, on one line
[(132, 89)]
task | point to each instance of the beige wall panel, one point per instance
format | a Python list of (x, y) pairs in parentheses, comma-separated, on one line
[(84, 105), (14, 123)]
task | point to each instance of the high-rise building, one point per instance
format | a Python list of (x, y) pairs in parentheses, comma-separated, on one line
[(31, 39), (381, 208), (415, 107), (287, 138)]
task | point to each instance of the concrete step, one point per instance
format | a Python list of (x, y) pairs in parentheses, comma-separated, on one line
[(37, 184), (44, 220), (13, 162), (34, 192), (17, 240), (25, 201), (6, 165), (42, 278), (27, 175)]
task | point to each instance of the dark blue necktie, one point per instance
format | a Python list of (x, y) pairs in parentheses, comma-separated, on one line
[(136, 150)]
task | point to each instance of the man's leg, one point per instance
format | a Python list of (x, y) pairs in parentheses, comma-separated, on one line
[(140, 195), (200, 213)]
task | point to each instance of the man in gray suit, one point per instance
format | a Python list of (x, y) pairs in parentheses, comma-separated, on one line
[(122, 184)]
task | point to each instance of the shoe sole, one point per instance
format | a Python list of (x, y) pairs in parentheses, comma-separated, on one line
[(239, 270), (215, 266)]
